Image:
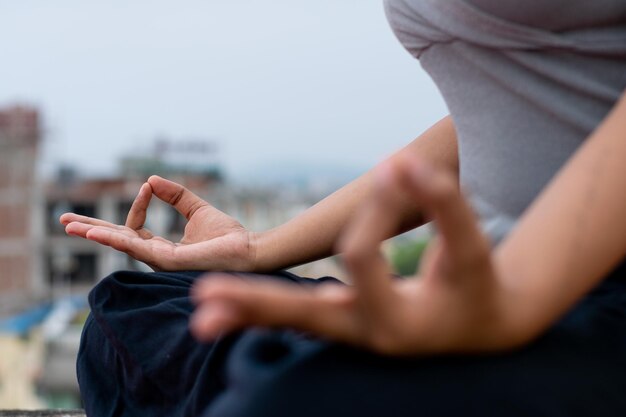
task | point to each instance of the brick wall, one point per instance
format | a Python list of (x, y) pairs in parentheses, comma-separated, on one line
[(19, 135)]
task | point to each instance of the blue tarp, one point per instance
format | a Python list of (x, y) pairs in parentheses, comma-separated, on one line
[(20, 324)]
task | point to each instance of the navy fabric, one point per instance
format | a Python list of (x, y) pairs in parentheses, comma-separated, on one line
[(137, 358)]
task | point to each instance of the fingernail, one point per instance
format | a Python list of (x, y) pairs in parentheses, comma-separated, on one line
[(199, 328), (334, 293), (197, 290), (211, 320)]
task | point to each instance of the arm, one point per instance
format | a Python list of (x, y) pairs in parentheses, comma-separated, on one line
[(573, 234), (313, 234), (468, 298), (215, 241)]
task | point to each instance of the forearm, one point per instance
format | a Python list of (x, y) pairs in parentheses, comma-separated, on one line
[(312, 235), (573, 234)]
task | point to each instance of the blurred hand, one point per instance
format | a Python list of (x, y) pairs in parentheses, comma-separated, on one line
[(212, 240), (455, 305)]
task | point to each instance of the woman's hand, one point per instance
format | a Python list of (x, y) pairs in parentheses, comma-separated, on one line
[(454, 305), (212, 240)]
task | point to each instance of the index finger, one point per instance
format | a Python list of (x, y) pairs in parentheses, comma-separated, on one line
[(137, 213), (183, 200)]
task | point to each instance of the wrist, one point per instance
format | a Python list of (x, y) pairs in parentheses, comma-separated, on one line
[(270, 251), (259, 259), (519, 310), (253, 252)]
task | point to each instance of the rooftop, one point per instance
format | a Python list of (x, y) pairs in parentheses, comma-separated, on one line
[(42, 413)]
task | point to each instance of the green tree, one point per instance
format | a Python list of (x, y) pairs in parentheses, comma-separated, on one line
[(406, 256)]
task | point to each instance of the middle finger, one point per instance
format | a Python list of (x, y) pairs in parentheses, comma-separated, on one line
[(68, 218), (325, 310), (81, 229)]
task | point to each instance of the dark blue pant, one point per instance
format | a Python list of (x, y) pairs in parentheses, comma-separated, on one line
[(137, 358)]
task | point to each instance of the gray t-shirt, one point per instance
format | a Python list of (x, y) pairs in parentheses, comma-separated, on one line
[(525, 82)]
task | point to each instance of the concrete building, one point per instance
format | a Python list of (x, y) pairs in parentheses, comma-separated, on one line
[(71, 265), (39, 261)]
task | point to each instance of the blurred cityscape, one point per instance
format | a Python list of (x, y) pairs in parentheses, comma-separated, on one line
[(45, 274)]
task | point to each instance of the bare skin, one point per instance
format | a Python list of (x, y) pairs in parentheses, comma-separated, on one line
[(469, 298), (214, 241)]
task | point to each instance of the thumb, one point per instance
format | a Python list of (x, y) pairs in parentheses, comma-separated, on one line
[(183, 200)]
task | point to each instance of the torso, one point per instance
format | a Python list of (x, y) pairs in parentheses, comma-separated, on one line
[(523, 92)]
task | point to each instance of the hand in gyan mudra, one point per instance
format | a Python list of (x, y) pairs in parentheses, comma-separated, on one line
[(454, 305), (212, 240)]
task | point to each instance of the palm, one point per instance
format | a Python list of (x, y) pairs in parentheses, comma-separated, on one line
[(209, 223), (212, 240), (211, 233)]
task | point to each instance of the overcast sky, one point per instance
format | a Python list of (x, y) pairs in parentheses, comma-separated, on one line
[(317, 83)]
